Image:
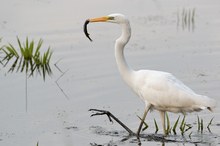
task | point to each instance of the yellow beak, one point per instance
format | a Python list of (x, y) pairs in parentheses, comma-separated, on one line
[(99, 19)]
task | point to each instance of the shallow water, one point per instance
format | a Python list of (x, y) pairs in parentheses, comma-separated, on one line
[(160, 41)]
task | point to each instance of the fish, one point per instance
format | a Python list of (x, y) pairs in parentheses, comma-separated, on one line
[(85, 29)]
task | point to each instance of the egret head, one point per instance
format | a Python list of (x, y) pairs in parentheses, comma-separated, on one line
[(113, 18)]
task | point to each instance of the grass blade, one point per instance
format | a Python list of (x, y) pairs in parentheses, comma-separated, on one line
[(156, 126), (145, 124), (189, 126), (210, 122), (190, 135), (175, 125), (182, 126), (198, 123), (201, 125)]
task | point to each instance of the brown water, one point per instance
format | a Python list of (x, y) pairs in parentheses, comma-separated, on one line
[(162, 39)]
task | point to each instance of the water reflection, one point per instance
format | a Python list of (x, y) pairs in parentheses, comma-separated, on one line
[(186, 19)]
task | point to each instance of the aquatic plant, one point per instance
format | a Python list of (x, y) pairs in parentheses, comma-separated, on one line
[(168, 127), (184, 127), (27, 58), (201, 125), (145, 124), (210, 122), (156, 126), (175, 125)]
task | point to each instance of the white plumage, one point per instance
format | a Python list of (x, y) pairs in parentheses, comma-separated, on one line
[(159, 90), (166, 93)]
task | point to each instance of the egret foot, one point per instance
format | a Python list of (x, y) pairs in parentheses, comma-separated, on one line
[(110, 117)]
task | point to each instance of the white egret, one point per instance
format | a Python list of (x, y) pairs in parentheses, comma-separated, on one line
[(159, 90)]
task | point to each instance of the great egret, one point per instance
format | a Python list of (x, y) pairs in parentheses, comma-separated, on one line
[(159, 90)]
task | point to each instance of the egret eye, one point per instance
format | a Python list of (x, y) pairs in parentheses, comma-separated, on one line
[(111, 18)]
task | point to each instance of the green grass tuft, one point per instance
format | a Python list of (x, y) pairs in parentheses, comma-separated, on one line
[(27, 58)]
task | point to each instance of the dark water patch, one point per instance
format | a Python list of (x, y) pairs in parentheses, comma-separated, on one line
[(201, 138), (111, 143), (71, 128), (3, 24), (102, 131), (218, 124), (123, 138)]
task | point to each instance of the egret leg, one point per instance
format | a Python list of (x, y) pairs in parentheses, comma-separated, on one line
[(162, 116), (110, 115), (147, 108)]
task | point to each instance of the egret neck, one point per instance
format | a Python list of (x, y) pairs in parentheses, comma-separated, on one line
[(125, 71)]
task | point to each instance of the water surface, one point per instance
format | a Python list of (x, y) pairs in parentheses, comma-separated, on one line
[(159, 41)]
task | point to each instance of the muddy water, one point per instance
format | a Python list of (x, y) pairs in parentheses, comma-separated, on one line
[(181, 37)]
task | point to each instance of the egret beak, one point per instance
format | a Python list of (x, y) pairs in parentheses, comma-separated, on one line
[(100, 19)]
